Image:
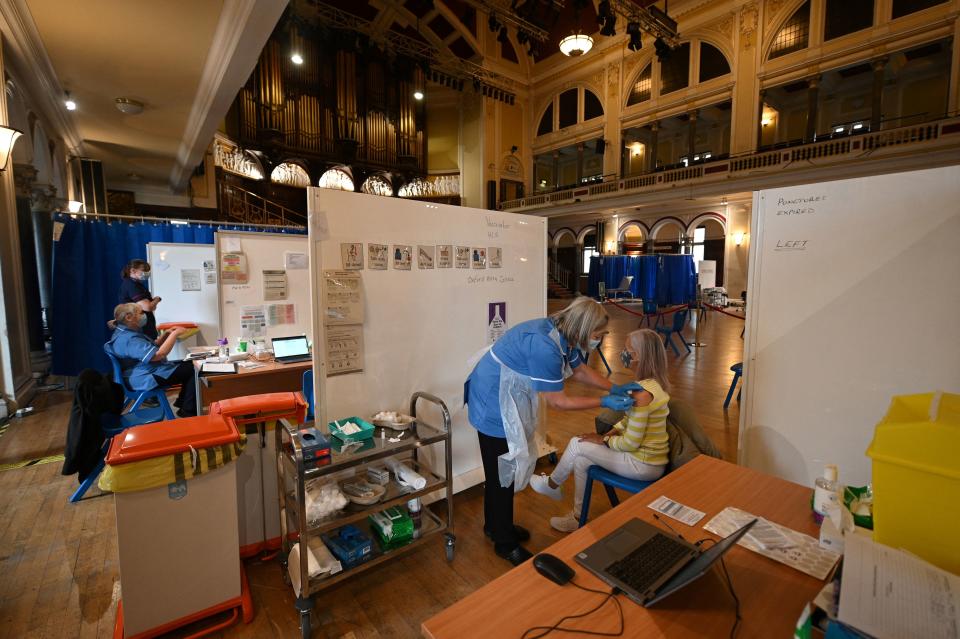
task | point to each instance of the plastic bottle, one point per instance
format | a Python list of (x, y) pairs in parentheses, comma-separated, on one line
[(826, 490), (414, 507), (224, 351)]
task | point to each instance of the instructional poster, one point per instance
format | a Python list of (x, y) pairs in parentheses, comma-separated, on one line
[(233, 268), (496, 321), (293, 261), (479, 257), (190, 279), (377, 256), (209, 272), (402, 256), (343, 297), (253, 321), (496, 256), (344, 349), (425, 256), (463, 257), (445, 256), (274, 284), (351, 256), (281, 314)]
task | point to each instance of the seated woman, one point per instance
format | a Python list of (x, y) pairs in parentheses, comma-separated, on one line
[(144, 363), (637, 447)]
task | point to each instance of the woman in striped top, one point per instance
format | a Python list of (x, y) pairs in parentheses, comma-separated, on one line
[(636, 448)]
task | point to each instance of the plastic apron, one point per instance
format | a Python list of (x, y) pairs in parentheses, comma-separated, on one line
[(519, 408)]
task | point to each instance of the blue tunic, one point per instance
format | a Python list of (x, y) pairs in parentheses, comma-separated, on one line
[(134, 350), (527, 349)]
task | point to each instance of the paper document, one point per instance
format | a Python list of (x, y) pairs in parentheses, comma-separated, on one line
[(684, 514), (889, 593)]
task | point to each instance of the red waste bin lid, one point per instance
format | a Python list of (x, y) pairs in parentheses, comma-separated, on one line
[(261, 407), (169, 325), (170, 437)]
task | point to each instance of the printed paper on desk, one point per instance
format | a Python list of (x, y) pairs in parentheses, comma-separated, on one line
[(684, 514), (887, 592)]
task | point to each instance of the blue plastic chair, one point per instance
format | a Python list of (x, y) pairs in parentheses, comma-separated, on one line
[(737, 371), (135, 398), (610, 481), (679, 319), (649, 308), (308, 391)]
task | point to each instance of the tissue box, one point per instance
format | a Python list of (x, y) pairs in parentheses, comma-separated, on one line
[(349, 545), (315, 444), (392, 527)]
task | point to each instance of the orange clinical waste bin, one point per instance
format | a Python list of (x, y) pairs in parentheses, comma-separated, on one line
[(175, 488)]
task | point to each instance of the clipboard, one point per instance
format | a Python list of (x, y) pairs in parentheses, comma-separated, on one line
[(218, 368)]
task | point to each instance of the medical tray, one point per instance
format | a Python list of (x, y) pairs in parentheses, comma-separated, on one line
[(365, 432)]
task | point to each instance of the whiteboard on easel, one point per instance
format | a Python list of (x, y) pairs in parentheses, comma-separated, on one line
[(449, 278), (184, 276), (264, 285), (853, 299)]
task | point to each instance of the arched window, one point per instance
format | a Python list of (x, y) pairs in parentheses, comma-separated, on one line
[(675, 69), (291, 174), (572, 106), (641, 89), (546, 122), (713, 64), (336, 179), (591, 106), (794, 35), (568, 108), (846, 16), (377, 185)]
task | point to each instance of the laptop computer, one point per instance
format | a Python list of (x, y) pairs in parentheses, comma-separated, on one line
[(648, 564), (291, 349)]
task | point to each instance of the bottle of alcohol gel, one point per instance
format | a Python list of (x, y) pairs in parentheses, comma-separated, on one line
[(826, 491)]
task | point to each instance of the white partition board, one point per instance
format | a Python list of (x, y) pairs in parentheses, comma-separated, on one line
[(264, 251), (168, 261), (853, 298), (422, 326)]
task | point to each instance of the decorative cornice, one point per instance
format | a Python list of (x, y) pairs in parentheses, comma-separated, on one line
[(35, 71), (242, 22)]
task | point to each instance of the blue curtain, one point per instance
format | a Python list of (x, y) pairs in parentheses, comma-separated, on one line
[(667, 279), (87, 260)]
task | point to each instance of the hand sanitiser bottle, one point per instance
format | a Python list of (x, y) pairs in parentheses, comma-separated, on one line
[(826, 491)]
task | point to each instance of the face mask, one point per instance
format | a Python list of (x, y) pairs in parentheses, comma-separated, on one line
[(143, 277), (592, 344), (142, 321), (626, 358)]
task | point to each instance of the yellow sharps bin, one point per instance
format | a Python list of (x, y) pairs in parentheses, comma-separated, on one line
[(916, 477)]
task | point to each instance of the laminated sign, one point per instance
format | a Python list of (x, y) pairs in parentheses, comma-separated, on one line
[(233, 268)]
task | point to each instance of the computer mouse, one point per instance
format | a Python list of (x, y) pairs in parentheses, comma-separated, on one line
[(553, 568)]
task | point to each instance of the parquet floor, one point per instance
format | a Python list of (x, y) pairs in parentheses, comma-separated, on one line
[(58, 566)]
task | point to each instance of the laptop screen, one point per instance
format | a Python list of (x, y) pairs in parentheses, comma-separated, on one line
[(290, 346)]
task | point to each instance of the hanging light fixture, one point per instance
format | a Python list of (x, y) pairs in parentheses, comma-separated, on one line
[(8, 137), (576, 44)]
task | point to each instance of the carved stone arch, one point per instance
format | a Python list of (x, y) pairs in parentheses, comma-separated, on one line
[(724, 47), (775, 24), (584, 232), (703, 217), (559, 233), (664, 222), (622, 231)]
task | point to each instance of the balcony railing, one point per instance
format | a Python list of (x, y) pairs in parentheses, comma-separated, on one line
[(918, 137), (249, 208)]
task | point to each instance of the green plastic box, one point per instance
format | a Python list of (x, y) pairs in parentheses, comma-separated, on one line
[(366, 430)]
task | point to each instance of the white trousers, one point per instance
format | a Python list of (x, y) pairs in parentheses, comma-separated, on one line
[(580, 456)]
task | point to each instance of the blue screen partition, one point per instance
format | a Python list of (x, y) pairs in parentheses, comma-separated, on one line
[(667, 279)]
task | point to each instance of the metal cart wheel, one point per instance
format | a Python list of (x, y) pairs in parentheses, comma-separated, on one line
[(450, 545)]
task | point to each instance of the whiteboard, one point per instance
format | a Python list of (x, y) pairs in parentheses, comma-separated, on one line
[(853, 298), (264, 251), (422, 326), (167, 263)]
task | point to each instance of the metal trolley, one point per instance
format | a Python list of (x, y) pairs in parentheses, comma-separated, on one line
[(293, 473)]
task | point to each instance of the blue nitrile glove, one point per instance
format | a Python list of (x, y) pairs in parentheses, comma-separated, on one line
[(617, 402), (625, 389)]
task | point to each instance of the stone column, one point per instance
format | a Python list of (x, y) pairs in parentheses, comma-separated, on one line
[(763, 94), (654, 134), (25, 189), (692, 135), (876, 105), (813, 98)]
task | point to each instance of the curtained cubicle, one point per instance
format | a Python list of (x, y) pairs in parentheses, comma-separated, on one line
[(667, 279)]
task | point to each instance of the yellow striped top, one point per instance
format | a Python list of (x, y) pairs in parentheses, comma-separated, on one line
[(643, 432)]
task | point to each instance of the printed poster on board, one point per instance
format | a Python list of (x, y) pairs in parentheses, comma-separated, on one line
[(495, 253), (402, 256), (343, 297), (425, 256), (444, 256), (463, 257), (479, 256), (233, 268), (351, 255), (496, 321), (377, 256)]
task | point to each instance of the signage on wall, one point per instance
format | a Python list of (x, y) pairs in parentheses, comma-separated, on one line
[(496, 321)]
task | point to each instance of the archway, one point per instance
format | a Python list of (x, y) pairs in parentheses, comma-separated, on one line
[(709, 242), (666, 234), (632, 236), (565, 245)]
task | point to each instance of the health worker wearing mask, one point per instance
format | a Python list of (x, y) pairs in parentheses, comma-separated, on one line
[(144, 363), (502, 394), (133, 289)]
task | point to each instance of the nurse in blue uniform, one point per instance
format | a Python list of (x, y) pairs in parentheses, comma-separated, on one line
[(144, 363), (502, 394), (133, 288)]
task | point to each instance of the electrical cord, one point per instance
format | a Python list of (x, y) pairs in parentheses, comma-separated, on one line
[(545, 630), (736, 600)]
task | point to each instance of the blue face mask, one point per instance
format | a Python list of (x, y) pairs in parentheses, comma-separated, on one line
[(142, 321), (626, 358), (143, 277)]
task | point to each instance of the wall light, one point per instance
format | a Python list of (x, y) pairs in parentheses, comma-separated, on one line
[(296, 58), (8, 137), (738, 237), (418, 95), (74, 206)]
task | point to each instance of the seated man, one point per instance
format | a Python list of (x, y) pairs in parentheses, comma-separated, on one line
[(144, 362)]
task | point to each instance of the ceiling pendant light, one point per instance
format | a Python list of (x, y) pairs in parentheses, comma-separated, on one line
[(576, 44)]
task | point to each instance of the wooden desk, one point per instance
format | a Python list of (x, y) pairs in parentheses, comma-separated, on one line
[(272, 377), (771, 595)]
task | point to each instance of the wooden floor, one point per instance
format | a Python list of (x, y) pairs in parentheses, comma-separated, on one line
[(58, 566)]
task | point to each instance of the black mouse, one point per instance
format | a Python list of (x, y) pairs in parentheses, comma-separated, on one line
[(553, 568)]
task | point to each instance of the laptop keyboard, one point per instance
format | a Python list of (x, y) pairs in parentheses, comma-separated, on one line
[(645, 564)]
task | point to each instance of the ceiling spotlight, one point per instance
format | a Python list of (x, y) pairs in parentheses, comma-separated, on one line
[(128, 106), (633, 30), (296, 58), (522, 37), (68, 102), (609, 26), (576, 44), (663, 50), (502, 36), (493, 23), (603, 10), (418, 95)]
